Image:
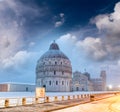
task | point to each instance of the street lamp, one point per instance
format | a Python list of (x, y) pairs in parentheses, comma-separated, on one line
[(110, 87)]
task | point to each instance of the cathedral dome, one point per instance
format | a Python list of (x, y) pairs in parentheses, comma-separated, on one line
[(52, 68)]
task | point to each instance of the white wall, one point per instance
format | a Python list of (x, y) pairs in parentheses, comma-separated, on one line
[(21, 88)]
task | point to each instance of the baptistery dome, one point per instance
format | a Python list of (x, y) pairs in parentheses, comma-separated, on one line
[(54, 52), (54, 70)]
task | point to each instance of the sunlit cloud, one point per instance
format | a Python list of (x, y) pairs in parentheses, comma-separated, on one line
[(13, 18), (61, 20), (106, 47)]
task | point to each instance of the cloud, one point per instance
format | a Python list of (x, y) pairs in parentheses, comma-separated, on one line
[(67, 43), (109, 23), (67, 37), (92, 47), (11, 30), (13, 18), (19, 67), (61, 15), (17, 54), (108, 47), (31, 44), (21, 10), (22, 63), (16, 61), (58, 23), (10, 42), (89, 54), (100, 48), (61, 20)]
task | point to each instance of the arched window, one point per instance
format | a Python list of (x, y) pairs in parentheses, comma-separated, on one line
[(56, 82), (62, 82), (26, 88), (54, 72), (82, 89), (55, 63), (49, 82), (43, 63), (77, 88), (62, 72), (61, 63)]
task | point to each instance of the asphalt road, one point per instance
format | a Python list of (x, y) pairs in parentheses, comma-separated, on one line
[(111, 104)]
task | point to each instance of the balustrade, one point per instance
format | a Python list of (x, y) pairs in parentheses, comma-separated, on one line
[(47, 99), (7, 103)]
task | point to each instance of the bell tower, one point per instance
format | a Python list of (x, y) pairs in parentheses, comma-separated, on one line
[(103, 76)]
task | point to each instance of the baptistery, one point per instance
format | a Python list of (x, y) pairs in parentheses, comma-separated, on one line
[(54, 70)]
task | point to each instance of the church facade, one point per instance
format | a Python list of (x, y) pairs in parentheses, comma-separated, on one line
[(54, 70), (79, 82), (83, 82)]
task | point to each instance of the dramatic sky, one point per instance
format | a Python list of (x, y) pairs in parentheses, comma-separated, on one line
[(87, 31)]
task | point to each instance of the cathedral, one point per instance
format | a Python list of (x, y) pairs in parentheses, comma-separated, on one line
[(54, 70), (54, 73), (83, 82)]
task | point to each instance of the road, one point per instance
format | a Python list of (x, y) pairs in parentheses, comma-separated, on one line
[(111, 104)]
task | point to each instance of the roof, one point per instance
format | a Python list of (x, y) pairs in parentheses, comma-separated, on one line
[(17, 83), (54, 52)]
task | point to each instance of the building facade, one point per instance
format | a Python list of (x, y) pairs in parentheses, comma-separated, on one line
[(99, 84), (80, 82), (103, 76), (83, 82), (15, 87), (54, 70)]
